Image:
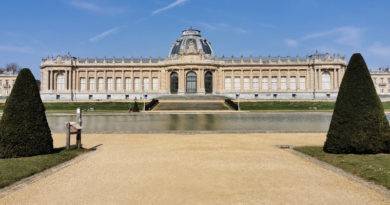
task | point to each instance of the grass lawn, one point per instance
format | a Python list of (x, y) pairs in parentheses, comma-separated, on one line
[(372, 167), (15, 169), (293, 105)]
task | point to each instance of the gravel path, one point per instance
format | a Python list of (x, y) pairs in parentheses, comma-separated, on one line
[(195, 169)]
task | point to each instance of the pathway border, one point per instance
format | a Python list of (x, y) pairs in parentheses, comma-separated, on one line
[(371, 185), (45, 173)]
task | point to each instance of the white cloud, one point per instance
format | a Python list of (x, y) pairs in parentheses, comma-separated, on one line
[(291, 42), (346, 36), (170, 6), (222, 27), (16, 49), (104, 34), (379, 49), (95, 8)]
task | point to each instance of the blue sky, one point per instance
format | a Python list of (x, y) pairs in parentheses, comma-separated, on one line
[(32, 29)]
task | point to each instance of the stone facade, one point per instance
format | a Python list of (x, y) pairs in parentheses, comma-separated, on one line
[(7, 81), (192, 69), (381, 79)]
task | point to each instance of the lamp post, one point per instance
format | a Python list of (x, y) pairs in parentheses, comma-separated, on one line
[(145, 97), (238, 101)]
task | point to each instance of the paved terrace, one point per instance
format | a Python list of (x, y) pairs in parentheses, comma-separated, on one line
[(195, 169)]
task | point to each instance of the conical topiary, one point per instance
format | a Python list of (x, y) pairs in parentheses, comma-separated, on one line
[(358, 123), (24, 130), (135, 107)]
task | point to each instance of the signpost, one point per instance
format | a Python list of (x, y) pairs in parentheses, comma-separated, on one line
[(74, 128)]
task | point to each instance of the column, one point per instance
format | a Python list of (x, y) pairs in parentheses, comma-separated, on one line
[(123, 81), (150, 81), (48, 80)]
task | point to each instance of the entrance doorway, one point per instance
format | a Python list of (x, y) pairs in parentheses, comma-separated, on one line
[(174, 83), (208, 82), (191, 82)]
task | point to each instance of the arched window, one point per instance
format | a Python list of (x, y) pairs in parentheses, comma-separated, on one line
[(60, 82), (174, 83), (325, 80), (191, 82), (208, 82)]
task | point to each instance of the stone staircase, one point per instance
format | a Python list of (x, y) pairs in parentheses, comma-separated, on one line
[(191, 102)]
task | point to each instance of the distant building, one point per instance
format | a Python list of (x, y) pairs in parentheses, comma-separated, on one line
[(192, 69), (381, 79), (7, 81)]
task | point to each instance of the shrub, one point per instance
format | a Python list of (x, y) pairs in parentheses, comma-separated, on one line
[(24, 130), (135, 107), (358, 123)]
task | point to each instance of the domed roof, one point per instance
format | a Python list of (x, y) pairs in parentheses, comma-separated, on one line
[(191, 43)]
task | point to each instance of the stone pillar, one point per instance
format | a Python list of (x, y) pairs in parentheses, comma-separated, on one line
[(48, 80)]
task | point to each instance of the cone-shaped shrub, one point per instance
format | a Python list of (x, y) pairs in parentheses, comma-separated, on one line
[(358, 123), (135, 107), (24, 130)]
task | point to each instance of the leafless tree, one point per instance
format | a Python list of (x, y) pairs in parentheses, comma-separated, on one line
[(12, 67)]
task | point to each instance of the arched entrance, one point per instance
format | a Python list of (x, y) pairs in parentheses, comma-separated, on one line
[(208, 82), (191, 82), (174, 83)]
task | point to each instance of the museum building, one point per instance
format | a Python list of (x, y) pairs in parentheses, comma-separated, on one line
[(191, 68)]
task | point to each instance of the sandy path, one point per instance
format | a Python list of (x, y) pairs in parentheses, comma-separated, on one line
[(195, 169)]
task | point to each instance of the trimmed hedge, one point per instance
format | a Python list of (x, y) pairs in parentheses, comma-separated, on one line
[(151, 104), (231, 104), (358, 124), (24, 130)]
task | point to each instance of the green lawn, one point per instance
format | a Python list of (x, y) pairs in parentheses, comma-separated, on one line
[(372, 167), (15, 169), (260, 105), (293, 105)]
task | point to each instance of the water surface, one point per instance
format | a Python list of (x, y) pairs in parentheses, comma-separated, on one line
[(216, 122)]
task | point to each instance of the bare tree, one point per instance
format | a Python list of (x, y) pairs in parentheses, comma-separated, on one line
[(12, 67)]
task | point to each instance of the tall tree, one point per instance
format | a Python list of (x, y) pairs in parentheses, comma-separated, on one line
[(24, 130), (358, 123)]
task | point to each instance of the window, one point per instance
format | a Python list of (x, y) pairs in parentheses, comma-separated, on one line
[(58, 97), (146, 84), (118, 84), (128, 84), (293, 83), (92, 84), (90, 97), (325, 81), (237, 83), (283, 83), (382, 80), (137, 84), (101, 84), (60, 82), (155, 84), (228, 83), (302, 83), (274, 83), (126, 97), (110, 84), (264, 83), (388, 80), (246, 83), (374, 79), (83, 85), (255, 83), (108, 97)]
